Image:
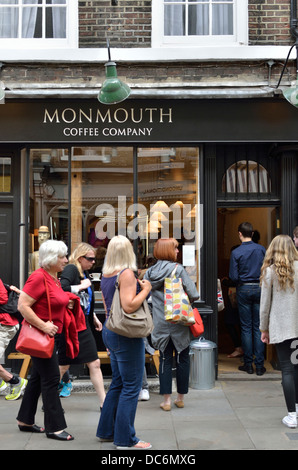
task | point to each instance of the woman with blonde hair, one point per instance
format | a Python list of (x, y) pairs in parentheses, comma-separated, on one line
[(127, 355), (75, 278), (278, 315)]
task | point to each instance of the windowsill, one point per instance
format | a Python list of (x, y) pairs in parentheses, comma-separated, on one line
[(167, 54)]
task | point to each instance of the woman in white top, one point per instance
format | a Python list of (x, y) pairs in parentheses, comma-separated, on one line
[(279, 315)]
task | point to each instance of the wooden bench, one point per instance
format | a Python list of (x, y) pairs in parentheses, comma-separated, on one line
[(102, 355), (105, 359), (25, 365)]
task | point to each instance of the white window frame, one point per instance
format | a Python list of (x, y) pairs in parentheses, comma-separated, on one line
[(240, 36), (70, 42)]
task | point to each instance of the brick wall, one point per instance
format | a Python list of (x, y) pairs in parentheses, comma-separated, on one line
[(269, 22), (127, 23)]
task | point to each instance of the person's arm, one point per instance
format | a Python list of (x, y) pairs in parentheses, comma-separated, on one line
[(25, 308), (69, 278), (265, 305), (130, 300), (233, 273), (189, 286)]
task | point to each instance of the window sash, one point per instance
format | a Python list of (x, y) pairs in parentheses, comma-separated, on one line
[(194, 28), (53, 23)]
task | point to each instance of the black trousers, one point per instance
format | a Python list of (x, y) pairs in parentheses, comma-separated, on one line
[(44, 380), (289, 371), (165, 369)]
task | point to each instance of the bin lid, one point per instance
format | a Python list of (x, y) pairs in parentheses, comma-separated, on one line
[(202, 343)]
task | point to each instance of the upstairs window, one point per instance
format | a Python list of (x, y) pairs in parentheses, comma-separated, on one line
[(199, 22), (38, 23)]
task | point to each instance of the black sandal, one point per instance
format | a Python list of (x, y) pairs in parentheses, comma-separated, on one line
[(32, 428), (62, 436)]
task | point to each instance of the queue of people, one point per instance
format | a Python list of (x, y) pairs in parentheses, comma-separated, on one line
[(264, 279)]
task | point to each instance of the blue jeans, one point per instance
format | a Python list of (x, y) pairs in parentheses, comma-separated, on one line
[(248, 298), (117, 417)]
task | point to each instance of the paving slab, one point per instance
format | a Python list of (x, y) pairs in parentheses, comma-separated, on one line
[(233, 415)]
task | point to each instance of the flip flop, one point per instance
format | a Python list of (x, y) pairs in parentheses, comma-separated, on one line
[(140, 445)]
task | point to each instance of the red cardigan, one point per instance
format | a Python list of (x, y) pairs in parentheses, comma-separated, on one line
[(74, 321)]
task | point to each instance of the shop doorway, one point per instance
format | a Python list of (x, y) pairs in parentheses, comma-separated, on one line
[(265, 223)]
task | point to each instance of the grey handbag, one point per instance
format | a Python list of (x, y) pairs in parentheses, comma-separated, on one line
[(138, 324)]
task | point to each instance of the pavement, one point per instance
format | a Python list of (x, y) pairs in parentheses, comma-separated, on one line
[(241, 412)]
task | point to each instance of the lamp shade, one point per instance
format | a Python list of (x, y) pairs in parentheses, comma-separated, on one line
[(113, 90), (291, 94), (2, 91)]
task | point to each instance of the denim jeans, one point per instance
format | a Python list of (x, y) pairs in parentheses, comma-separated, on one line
[(248, 298), (117, 417), (166, 366)]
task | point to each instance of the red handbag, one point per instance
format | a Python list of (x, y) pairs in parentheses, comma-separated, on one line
[(198, 328), (33, 341)]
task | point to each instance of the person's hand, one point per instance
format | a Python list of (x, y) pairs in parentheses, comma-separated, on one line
[(15, 289), (85, 283), (50, 329), (97, 323), (265, 337), (145, 285)]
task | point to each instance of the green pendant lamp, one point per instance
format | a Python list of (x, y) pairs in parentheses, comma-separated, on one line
[(291, 94), (2, 91), (113, 90)]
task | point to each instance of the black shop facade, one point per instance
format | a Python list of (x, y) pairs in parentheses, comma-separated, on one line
[(189, 168)]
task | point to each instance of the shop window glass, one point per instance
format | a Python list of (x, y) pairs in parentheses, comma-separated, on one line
[(99, 192), (246, 176), (101, 189), (48, 199), (169, 204), (5, 174)]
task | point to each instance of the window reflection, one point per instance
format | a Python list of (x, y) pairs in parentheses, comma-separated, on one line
[(92, 198), (5, 174), (48, 198), (168, 190)]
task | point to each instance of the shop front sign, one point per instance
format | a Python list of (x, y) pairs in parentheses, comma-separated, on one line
[(139, 121)]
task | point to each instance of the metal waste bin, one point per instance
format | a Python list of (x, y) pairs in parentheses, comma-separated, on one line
[(202, 364)]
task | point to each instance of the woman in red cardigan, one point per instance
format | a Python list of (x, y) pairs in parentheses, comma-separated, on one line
[(45, 375)]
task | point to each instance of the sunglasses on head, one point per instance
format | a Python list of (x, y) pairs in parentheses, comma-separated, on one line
[(89, 258)]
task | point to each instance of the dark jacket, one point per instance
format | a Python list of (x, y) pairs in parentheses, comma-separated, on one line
[(70, 276), (164, 330)]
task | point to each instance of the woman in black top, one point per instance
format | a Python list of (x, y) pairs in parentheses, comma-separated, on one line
[(75, 278)]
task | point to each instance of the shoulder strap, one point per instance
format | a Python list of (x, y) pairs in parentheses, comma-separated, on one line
[(174, 271), (48, 297), (117, 280)]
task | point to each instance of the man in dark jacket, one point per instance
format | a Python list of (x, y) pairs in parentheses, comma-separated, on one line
[(245, 269)]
